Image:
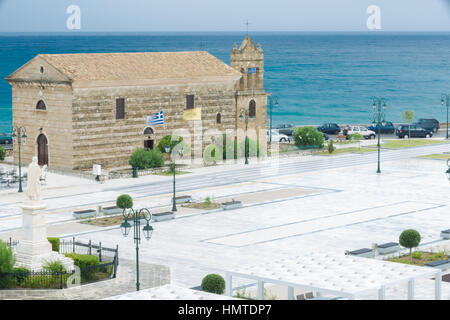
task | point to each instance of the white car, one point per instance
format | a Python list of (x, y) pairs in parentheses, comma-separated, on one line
[(366, 133), (278, 137)]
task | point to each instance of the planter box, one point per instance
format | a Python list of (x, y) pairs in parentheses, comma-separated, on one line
[(163, 216), (84, 214), (440, 264), (445, 234), (111, 210), (231, 205), (389, 247), (182, 199), (364, 252)]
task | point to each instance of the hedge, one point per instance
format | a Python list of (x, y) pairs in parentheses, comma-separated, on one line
[(55, 242)]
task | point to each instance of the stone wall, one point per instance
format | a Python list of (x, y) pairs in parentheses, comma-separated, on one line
[(98, 138)]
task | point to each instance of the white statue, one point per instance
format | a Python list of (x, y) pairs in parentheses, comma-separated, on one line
[(33, 190)]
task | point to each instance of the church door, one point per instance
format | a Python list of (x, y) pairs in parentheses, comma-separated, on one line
[(42, 150)]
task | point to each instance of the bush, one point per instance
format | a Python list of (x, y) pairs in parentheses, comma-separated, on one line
[(144, 159), (308, 137), (417, 255), (2, 154), (124, 201), (20, 274), (55, 266), (55, 242), (83, 260), (410, 239), (7, 259), (356, 136), (213, 283), (330, 147)]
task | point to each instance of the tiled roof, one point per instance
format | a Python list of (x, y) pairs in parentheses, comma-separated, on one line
[(139, 65)]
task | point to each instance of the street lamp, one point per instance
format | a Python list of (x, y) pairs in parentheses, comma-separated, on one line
[(136, 216), (19, 135), (180, 153), (445, 99), (272, 101), (243, 113), (379, 108)]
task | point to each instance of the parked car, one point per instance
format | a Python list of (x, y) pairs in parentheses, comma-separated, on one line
[(287, 129), (278, 137), (5, 138), (429, 124), (325, 136), (329, 128), (388, 127), (366, 133), (412, 131)]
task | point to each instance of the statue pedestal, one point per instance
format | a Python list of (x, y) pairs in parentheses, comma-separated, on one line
[(34, 250)]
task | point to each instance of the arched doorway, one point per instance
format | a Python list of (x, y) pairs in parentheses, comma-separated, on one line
[(149, 141), (42, 150)]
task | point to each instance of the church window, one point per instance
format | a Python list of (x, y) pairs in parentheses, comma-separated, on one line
[(120, 108), (41, 105), (190, 101), (219, 118), (252, 109)]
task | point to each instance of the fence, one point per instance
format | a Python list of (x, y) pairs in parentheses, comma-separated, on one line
[(24, 279)]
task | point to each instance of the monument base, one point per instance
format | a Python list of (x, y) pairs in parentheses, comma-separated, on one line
[(34, 250)]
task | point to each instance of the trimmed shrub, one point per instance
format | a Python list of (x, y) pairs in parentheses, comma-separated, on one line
[(213, 283), (356, 136), (410, 239), (308, 137), (124, 201), (330, 147), (2, 153), (83, 260), (144, 159), (55, 266), (55, 242)]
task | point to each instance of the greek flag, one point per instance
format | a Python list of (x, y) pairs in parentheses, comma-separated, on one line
[(155, 120)]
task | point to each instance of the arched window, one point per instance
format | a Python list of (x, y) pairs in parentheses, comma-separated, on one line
[(219, 118), (252, 109), (148, 131), (41, 105)]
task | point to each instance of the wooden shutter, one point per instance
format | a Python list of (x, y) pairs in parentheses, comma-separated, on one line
[(120, 108), (190, 101)]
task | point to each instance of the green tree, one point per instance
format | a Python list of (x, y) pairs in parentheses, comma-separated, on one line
[(213, 283), (7, 261), (308, 137), (410, 239), (124, 201), (2, 154), (408, 116), (330, 147)]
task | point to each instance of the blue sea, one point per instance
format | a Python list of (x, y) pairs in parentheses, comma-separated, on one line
[(318, 77)]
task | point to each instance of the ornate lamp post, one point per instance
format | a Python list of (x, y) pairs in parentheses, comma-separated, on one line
[(19, 135), (180, 153), (243, 113), (136, 216), (379, 107), (445, 99), (272, 101)]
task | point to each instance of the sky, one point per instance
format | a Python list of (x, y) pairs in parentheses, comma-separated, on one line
[(221, 15)]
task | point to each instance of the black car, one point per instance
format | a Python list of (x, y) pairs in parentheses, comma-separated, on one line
[(412, 131), (5, 138), (287, 129), (388, 127), (329, 128), (429, 124)]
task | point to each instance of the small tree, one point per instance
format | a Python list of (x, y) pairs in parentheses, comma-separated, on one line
[(124, 201), (144, 159), (213, 283), (410, 239), (330, 147), (308, 137), (2, 154), (408, 116)]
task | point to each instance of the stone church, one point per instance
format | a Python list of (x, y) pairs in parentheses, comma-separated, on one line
[(84, 109)]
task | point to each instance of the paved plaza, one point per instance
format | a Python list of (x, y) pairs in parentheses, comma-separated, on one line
[(326, 206)]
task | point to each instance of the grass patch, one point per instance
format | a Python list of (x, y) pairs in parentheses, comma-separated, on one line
[(347, 150), (170, 173), (420, 258), (104, 222), (207, 204), (408, 143), (436, 156)]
